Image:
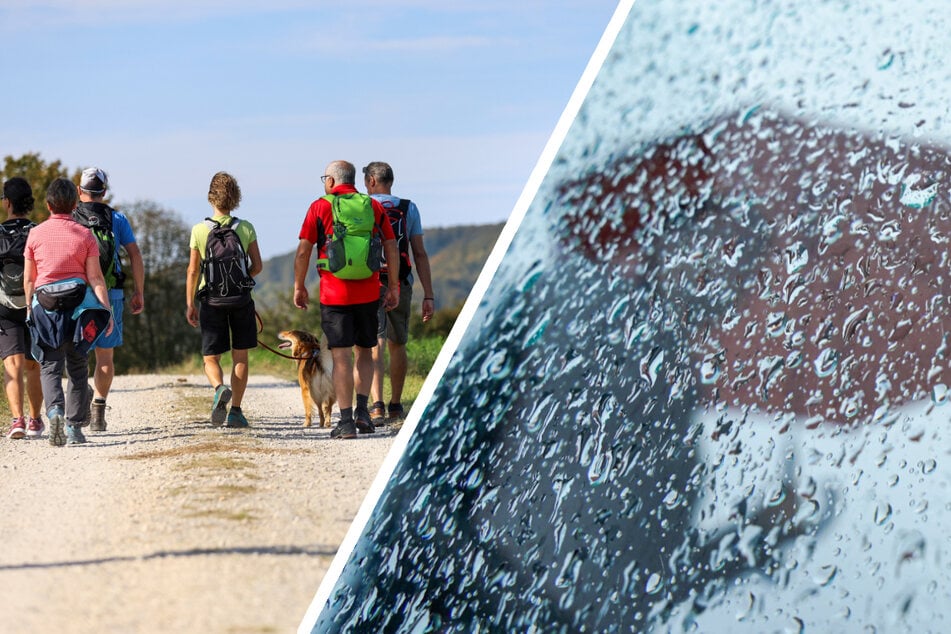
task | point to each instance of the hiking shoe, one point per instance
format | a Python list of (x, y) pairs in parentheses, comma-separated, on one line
[(87, 403), (236, 418), (219, 406), (17, 429), (74, 435), (378, 413), (395, 413), (344, 430), (34, 428), (97, 416), (361, 419), (57, 428)]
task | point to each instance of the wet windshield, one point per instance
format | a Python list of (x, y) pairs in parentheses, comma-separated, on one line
[(707, 390)]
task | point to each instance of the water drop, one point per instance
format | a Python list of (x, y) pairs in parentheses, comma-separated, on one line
[(826, 363), (883, 511)]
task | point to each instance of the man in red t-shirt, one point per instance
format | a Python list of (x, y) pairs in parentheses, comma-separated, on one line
[(348, 308)]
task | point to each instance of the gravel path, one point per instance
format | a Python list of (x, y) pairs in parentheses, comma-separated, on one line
[(165, 524)]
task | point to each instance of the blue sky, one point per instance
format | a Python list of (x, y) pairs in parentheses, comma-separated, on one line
[(460, 97)]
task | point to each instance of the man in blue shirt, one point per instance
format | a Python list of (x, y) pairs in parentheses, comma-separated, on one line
[(393, 331), (93, 212)]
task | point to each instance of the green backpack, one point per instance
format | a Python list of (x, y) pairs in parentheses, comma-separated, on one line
[(354, 250)]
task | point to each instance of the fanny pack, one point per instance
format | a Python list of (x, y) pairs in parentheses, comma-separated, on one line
[(61, 296)]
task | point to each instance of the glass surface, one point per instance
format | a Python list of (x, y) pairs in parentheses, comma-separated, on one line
[(707, 389)]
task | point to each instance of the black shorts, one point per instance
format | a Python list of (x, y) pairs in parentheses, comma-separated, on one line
[(14, 338), (224, 329), (347, 326)]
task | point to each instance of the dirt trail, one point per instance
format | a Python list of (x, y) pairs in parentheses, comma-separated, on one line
[(165, 524)]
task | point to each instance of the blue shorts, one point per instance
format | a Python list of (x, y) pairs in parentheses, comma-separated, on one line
[(113, 339)]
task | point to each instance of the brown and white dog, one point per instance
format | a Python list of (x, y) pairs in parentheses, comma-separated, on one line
[(314, 372)]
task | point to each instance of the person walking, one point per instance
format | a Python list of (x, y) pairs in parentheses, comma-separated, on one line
[(393, 327), (17, 201), (348, 298), (224, 261), (67, 310), (112, 230)]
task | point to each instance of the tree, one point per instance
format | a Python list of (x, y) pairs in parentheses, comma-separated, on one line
[(159, 336), (39, 174)]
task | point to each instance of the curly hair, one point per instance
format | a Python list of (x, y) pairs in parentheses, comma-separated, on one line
[(224, 193), (18, 191)]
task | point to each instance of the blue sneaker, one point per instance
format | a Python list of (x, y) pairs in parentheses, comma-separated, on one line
[(57, 427), (74, 435), (219, 406), (236, 418)]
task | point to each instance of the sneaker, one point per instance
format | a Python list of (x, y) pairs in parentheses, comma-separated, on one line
[(34, 427), (17, 429), (219, 406), (74, 435), (97, 416), (57, 428), (87, 402), (378, 413), (344, 430), (236, 418)]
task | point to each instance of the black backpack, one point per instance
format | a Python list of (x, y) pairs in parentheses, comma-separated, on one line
[(225, 267), (97, 217), (397, 216), (12, 243)]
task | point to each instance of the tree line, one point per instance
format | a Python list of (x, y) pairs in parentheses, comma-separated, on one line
[(160, 336)]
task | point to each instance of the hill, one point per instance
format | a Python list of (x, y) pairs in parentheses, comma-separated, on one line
[(456, 257)]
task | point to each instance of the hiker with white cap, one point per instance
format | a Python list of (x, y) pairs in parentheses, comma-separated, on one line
[(112, 230)]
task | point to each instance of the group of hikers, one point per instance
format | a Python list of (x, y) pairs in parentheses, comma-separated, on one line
[(62, 297)]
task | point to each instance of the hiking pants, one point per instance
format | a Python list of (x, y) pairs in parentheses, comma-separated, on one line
[(73, 401)]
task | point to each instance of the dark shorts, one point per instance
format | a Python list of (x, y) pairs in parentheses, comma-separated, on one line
[(14, 338), (394, 324), (224, 329), (347, 326)]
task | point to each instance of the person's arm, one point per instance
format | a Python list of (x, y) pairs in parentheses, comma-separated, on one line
[(301, 264), (97, 282), (137, 303), (421, 263), (29, 283), (392, 254), (255, 254), (191, 284)]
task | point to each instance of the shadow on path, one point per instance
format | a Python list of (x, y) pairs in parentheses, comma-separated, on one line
[(317, 551)]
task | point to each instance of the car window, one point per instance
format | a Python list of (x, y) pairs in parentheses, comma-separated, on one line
[(708, 388)]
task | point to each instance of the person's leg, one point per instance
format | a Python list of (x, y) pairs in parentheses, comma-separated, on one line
[(105, 371), (34, 388), (13, 382), (51, 378), (78, 390), (398, 364), (215, 341), (363, 369), (244, 336), (212, 365), (379, 357), (343, 377), (102, 380), (397, 335), (239, 376)]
